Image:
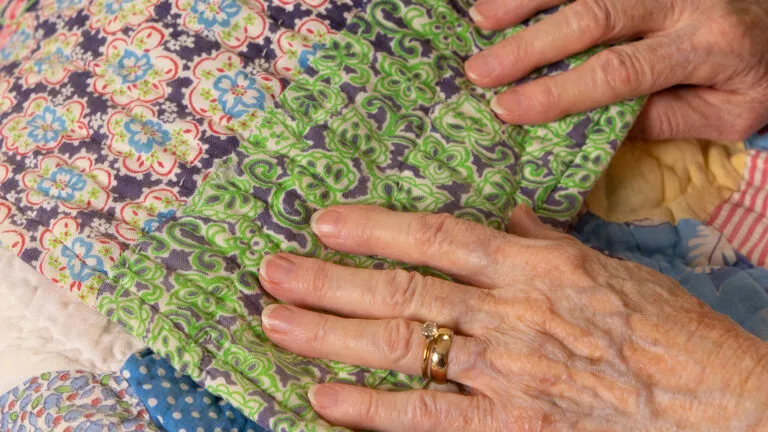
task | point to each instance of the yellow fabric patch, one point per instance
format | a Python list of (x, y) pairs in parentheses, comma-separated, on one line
[(668, 180)]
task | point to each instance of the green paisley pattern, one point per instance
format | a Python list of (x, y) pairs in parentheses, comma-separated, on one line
[(383, 116)]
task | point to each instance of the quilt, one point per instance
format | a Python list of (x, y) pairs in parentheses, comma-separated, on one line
[(694, 253), (154, 151)]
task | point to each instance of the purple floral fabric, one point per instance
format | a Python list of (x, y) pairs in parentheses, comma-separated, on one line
[(112, 113)]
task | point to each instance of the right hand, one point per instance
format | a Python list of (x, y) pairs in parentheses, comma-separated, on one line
[(705, 63)]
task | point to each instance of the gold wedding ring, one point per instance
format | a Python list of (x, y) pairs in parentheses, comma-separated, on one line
[(435, 363)]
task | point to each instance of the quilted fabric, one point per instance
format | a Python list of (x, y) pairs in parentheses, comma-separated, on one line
[(743, 217), (111, 113), (75, 401), (177, 403), (43, 329), (759, 141), (114, 114), (383, 116), (668, 180)]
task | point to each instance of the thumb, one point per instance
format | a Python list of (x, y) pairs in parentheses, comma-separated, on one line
[(523, 222)]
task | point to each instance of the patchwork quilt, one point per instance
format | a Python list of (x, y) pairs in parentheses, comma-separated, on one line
[(154, 151)]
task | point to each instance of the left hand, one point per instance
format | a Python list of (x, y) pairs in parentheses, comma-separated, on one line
[(550, 335)]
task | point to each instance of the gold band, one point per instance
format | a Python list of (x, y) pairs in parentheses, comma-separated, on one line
[(429, 330), (425, 361), (439, 348)]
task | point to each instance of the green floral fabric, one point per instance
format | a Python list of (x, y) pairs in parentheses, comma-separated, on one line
[(383, 116)]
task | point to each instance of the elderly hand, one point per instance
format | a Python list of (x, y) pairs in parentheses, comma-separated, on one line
[(550, 335), (717, 49)]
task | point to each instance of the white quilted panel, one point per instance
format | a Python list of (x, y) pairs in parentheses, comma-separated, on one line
[(43, 329)]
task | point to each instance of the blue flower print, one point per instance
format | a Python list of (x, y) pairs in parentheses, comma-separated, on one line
[(238, 94), (55, 59), (46, 126), (74, 401), (133, 67), (17, 41), (66, 4), (152, 223), (82, 263), (212, 13), (63, 183), (113, 7), (306, 55), (144, 136)]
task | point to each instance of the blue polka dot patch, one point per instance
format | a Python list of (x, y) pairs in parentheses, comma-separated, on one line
[(177, 403)]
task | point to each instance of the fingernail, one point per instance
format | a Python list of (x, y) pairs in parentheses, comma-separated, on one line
[(475, 14), (277, 269), (496, 106), (323, 396), (277, 317), (481, 66), (325, 222), (487, 10)]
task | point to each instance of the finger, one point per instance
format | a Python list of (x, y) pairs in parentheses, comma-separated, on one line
[(361, 408), (361, 293), (619, 73), (500, 14), (523, 222), (573, 29), (395, 344), (462, 249), (695, 113)]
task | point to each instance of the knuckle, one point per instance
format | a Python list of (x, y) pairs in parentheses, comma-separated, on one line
[(422, 407), (399, 340), (600, 14), (321, 332), (545, 98), (622, 70), (514, 49), (531, 314), (369, 409), (570, 258), (664, 125), (401, 288), (432, 232), (319, 278)]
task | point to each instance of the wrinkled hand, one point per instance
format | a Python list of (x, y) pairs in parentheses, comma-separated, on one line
[(717, 49), (551, 335)]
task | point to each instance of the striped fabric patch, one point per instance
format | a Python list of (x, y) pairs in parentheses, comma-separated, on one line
[(743, 217)]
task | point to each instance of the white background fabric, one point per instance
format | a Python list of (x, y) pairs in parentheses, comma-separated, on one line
[(44, 329)]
